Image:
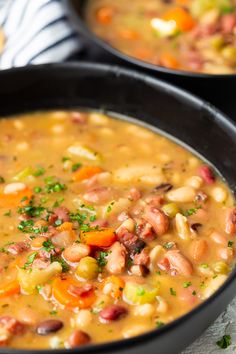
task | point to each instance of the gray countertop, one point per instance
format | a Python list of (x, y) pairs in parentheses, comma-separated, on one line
[(225, 324)]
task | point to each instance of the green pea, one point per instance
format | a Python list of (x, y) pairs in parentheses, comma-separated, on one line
[(87, 268)]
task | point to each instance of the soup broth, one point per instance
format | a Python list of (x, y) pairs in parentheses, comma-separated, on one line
[(108, 230)]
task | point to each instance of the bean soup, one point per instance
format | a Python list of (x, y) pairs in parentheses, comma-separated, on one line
[(192, 35), (108, 230)]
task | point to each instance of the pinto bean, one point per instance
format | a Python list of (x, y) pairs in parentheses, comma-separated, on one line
[(230, 221), (198, 249), (116, 259), (112, 313), (144, 229), (49, 326), (78, 338), (158, 219), (76, 252), (207, 174), (98, 195), (179, 262)]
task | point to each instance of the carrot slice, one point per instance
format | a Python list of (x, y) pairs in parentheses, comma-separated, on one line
[(99, 238), (169, 61), (60, 291), (104, 15), (117, 286), (20, 198), (9, 289), (85, 172), (129, 34), (183, 19)]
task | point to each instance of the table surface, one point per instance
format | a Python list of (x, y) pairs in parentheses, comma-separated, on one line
[(226, 323)]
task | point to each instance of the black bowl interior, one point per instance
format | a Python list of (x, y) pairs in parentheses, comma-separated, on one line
[(187, 118), (218, 89)]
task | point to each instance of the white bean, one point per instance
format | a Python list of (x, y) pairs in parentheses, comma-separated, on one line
[(83, 318), (12, 188), (145, 310), (162, 306), (182, 226), (195, 181), (219, 194), (182, 194)]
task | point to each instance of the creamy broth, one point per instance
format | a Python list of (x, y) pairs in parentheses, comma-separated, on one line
[(190, 35), (108, 230)]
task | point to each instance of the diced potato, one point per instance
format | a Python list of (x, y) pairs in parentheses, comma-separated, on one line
[(30, 279)]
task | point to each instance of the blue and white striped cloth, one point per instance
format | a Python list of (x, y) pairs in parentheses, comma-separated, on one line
[(37, 32)]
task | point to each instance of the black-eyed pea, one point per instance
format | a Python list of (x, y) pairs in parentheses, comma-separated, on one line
[(145, 310), (184, 194), (162, 306)]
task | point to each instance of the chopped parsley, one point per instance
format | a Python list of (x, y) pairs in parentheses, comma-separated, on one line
[(92, 218), (8, 213), (39, 172), (65, 266), (48, 246), (191, 211), (37, 189), (172, 292), (168, 245), (109, 208), (140, 291), (186, 284), (227, 9), (53, 185), (194, 293), (224, 342), (160, 324), (204, 265), (30, 260), (31, 209), (27, 226), (230, 244), (2, 180), (102, 258), (65, 158), (75, 166), (53, 312), (58, 202)]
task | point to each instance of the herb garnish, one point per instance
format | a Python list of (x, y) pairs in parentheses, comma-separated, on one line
[(75, 166), (224, 342), (102, 258), (160, 324), (191, 211), (172, 292), (186, 284), (30, 260)]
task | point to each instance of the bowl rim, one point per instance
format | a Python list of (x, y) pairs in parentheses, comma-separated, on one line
[(88, 33), (223, 121)]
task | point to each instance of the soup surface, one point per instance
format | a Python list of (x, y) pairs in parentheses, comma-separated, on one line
[(108, 230), (192, 35)]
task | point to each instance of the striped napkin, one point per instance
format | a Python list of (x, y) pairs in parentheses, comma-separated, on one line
[(36, 32)]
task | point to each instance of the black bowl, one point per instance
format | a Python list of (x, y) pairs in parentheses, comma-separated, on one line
[(218, 89), (158, 105)]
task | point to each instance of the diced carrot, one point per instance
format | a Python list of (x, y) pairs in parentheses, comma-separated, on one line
[(60, 291), (9, 289), (183, 19), (169, 61), (117, 285), (66, 226), (99, 238), (20, 198), (104, 15), (129, 34), (86, 172)]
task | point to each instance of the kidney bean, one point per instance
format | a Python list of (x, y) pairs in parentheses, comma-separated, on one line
[(158, 219), (78, 338), (112, 313), (207, 174), (49, 326), (230, 221)]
